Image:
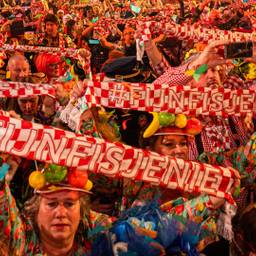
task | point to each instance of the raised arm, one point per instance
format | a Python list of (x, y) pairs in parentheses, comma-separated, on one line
[(11, 224), (156, 58)]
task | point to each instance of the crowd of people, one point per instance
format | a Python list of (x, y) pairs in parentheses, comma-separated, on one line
[(44, 209)]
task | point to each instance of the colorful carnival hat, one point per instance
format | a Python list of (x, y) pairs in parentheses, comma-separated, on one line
[(166, 123), (54, 178)]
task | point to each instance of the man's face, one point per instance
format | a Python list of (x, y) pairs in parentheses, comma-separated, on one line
[(59, 215), (51, 29), (172, 145), (19, 70), (212, 77), (28, 105)]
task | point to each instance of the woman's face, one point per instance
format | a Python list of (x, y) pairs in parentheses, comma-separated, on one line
[(53, 70), (172, 145), (59, 216)]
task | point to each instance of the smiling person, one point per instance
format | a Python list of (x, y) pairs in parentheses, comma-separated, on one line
[(176, 142), (51, 65), (171, 141), (52, 36), (127, 44)]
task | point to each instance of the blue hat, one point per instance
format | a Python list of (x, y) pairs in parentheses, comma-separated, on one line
[(127, 69), (120, 66)]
